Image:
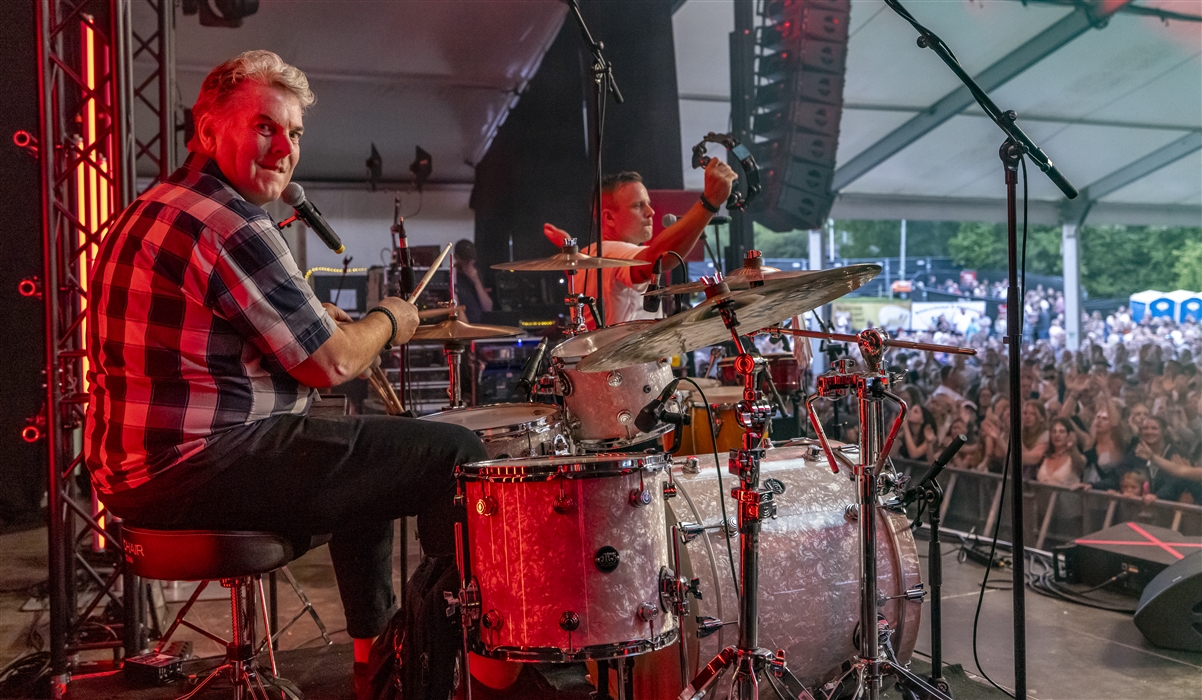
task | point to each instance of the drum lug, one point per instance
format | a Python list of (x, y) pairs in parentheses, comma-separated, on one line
[(486, 506), (692, 465), (492, 620), (852, 512), (564, 504), (569, 621), (647, 612), (614, 378), (640, 497)]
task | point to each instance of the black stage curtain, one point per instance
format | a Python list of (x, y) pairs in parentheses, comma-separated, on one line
[(22, 465), (539, 168)]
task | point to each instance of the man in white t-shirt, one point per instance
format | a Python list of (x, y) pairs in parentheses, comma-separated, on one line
[(626, 224)]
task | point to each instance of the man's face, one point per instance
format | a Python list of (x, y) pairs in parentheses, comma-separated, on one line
[(255, 140), (631, 217)]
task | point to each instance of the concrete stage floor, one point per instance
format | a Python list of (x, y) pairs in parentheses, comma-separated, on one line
[(1074, 652)]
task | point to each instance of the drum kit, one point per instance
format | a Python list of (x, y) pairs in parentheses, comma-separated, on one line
[(577, 548)]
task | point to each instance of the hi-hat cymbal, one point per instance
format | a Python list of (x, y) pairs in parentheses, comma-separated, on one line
[(702, 325), (453, 329), (742, 278), (568, 259)]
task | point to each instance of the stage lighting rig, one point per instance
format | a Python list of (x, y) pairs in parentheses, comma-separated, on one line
[(221, 13)]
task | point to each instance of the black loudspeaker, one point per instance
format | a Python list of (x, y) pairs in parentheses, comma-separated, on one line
[(22, 439), (1170, 610), (799, 102)]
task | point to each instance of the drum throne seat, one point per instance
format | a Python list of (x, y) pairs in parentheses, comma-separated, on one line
[(238, 559)]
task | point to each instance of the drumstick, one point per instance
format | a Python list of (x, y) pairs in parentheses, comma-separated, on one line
[(421, 286)]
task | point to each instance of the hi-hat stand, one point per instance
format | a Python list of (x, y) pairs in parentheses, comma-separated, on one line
[(748, 661)]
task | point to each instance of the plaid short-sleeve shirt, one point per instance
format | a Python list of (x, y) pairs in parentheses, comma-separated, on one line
[(196, 314)]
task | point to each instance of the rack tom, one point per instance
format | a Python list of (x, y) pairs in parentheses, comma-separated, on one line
[(601, 406)]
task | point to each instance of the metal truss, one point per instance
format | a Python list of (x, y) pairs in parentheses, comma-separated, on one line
[(154, 94), (86, 180)]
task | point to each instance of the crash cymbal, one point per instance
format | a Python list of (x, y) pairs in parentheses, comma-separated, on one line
[(568, 258), (741, 278), (453, 329), (702, 326)]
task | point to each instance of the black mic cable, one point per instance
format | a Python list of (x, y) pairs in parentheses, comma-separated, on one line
[(651, 301), (404, 255)]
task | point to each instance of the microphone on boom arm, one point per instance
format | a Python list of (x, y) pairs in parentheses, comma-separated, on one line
[(294, 196), (649, 417), (402, 254), (536, 360), (651, 301)]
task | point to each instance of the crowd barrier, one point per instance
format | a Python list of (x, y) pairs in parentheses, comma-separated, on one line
[(1052, 515)]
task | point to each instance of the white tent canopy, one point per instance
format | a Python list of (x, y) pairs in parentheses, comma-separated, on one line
[(1117, 108)]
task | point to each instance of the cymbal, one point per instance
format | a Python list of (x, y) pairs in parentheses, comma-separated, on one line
[(567, 261), (453, 329), (742, 278), (702, 326)]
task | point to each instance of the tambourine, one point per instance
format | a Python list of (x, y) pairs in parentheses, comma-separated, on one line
[(751, 171)]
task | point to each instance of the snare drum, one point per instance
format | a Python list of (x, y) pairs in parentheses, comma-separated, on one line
[(511, 429), (568, 554), (601, 406)]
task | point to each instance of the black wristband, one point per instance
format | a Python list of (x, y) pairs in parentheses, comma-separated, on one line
[(708, 207), (391, 319)]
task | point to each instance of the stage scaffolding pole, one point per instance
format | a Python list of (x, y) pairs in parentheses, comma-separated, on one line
[(86, 150)]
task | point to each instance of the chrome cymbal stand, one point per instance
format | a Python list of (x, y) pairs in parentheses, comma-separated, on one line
[(871, 387), (749, 662)]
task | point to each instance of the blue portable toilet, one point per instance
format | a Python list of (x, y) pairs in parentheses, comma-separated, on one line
[(1189, 304), (1152, 303)]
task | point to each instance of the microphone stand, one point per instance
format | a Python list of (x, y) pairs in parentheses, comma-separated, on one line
[(1016, 145), (603, 84), (931, 492)]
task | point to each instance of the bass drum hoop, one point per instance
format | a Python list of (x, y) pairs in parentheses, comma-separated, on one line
[(535, 469), (595, 652)]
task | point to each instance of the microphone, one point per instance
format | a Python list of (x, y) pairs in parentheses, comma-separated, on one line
[(941, 462), (648, 418), (403, 254), (294, 196), (651, 301), (669, 219), (531, 368)]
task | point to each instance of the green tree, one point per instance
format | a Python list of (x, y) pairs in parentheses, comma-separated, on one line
[(1118, 261), (784, 244), (982, 246), (1189, 266)]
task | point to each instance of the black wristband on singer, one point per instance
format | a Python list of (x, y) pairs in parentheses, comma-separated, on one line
[(391, 319), (708, 207)]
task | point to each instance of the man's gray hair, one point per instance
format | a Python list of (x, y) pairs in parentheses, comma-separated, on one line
[(260, 66)]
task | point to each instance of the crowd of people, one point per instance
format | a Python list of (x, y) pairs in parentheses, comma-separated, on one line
[(1123, 414)]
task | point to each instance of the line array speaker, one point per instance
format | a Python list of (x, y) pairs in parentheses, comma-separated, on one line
[(799, 101)]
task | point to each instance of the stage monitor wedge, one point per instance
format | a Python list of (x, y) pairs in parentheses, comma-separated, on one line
[(1170, 609), (802, 57)]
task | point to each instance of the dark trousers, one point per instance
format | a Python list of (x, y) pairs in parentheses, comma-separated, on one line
[(349, 477)]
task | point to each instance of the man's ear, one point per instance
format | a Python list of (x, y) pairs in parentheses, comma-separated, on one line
[(205, 138), (607, 217)]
